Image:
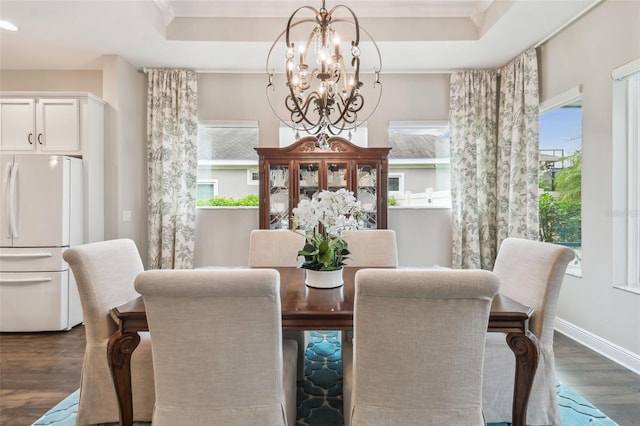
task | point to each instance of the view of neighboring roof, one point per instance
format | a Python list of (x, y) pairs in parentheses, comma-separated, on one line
[(407, 146), (228, 143)]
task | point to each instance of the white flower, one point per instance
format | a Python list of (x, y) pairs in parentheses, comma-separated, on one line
[(335, 211)]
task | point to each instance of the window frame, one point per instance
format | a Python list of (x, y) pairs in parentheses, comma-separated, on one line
[(626, 177), (420, 199), (400, 177), (217, 165), (213, 182), (559, 101), (250, 174)]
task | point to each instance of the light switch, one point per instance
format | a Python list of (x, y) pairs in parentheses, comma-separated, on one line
[(126, 215)]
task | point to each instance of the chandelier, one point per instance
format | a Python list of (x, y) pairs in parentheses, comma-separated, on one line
[(324, 90)]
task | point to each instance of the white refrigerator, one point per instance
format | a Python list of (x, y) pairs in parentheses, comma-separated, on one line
[(40, 216)]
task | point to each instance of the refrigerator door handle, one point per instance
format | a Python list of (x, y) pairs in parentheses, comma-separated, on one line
[(6, 203), (25, 280), (25, 255), (13, 202)]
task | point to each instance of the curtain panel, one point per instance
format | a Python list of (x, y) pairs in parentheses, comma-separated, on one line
[(494, 159), (172, 161)]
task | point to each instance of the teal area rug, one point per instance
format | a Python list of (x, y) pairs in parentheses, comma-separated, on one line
[(320, 393)]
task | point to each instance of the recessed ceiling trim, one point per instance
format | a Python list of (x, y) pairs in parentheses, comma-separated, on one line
[(364, 8)]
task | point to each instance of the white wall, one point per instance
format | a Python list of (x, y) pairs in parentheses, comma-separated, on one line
[(51, 81), (124, 90), (584, 54)]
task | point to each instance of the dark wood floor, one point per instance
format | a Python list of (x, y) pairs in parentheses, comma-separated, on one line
[(613, 389), (38, 370)]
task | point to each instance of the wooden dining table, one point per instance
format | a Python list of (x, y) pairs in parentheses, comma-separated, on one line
[(306, 308)]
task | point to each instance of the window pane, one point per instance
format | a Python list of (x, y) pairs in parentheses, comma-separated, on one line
[(560, 206), (227, 154), (419, 172)]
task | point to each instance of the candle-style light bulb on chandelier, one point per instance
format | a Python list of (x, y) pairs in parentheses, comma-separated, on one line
[(323, 93)]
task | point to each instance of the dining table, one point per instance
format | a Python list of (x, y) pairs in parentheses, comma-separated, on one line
[(307, 308)]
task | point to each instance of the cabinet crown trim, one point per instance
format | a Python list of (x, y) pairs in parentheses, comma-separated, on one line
[(52, 95), (309, 145)]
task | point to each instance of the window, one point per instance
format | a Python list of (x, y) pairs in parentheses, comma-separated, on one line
[(626, 178), (227, 162), (560, 179), (207, 188), (419, 171), (253, 177), (396, 184)]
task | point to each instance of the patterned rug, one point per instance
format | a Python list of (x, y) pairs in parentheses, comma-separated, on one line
[(320, 393)]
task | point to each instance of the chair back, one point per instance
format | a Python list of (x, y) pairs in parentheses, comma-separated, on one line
[(274, 247), (372, 248), (531, 272), (217, 345), (105, 272), (418, 346)]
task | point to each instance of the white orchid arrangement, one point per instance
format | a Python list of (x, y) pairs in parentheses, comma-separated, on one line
[(323, 218)]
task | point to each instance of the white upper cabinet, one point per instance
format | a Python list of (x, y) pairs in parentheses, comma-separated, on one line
[(44, 125)]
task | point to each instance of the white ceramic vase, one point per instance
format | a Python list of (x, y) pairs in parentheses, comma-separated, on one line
[(323, 279)]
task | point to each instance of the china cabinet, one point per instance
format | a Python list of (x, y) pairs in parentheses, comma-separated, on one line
[(296, 172)]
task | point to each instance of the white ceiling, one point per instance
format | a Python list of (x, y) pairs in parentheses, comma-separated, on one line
[(226, 36)]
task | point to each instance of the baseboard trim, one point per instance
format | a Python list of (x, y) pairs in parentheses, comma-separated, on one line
[(615, 353)]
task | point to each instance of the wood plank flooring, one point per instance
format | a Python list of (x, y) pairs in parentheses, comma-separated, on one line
[(38, 370), (615, 390)]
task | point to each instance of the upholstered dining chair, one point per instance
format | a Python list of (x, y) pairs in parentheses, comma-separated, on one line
[(105, 273), (218, 352), (417, 352), (530, 272), (372, 248), (274, 248)]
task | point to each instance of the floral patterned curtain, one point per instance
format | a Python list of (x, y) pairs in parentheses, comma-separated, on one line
[(518, 149), (494, 159), (473, 134), (172, 161)]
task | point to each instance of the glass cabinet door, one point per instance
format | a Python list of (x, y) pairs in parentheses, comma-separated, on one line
[(366, 194), (308, 180), (279, 196), (337, 176)]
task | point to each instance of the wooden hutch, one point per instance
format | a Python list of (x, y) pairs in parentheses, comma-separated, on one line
[(301, 169)]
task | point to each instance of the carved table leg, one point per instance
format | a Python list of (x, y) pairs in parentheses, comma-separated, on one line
[(119, 350), (525, 349)]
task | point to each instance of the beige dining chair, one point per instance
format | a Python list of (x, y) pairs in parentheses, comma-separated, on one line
[(218, 353), (417, 352), (105, 273), (372, 248), (277, 248), (530, 272)]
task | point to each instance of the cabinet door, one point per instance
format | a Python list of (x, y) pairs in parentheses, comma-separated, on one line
[(366, 193), (279, 190), (17, 125), (58, 125), (337, 175), (309, 180)]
